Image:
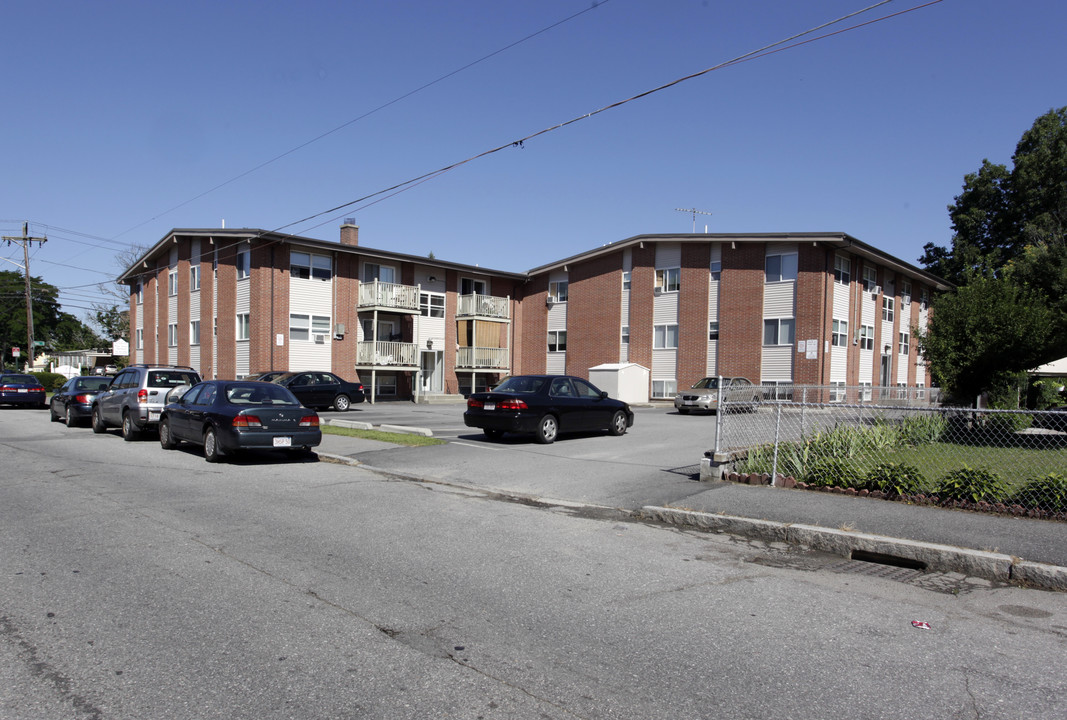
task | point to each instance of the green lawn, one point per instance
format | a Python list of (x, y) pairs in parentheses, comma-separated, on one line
[(1014, 465), (389, 437)]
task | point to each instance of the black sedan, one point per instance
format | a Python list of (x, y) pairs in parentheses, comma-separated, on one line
[(546, 405), (230, 415), (73, 403), (21, 389), (322, 389)]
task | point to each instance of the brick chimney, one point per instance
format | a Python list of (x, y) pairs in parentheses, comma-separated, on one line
[(349, 232)]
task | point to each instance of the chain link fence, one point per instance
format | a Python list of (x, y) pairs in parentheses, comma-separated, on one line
[(897, 443)]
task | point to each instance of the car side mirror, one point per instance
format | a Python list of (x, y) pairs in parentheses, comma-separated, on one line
[(603, 394), (176, 394)]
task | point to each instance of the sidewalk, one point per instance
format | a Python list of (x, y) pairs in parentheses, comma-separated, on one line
[(996, 547)]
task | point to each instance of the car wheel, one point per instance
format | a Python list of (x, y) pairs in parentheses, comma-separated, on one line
[(618, 423), (341, 403), (68, 419), (166, 440), (493, 434), (212, 453), (547, 429), (98, 421), (129, 431)]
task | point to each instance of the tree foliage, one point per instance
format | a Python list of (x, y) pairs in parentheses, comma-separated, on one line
[(57, 329)]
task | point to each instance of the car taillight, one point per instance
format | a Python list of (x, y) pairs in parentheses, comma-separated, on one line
[(511, 404), (472, 403), (142, 396), (247, 421), (83, 399), (6, 387), (309, 421)]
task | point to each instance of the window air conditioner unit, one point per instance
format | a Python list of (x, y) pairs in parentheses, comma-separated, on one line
[(320, 339), (876, 291)]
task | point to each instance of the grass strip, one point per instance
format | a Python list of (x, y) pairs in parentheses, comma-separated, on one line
[(407, 439)]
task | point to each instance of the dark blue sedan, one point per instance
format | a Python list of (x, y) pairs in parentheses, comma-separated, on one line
[(73, 403), (226, 416), (21, 389)]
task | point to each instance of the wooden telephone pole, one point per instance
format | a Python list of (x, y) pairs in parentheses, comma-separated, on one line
[(25, 241)]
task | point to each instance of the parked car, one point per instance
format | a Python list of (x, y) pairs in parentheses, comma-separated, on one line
[(322, 389), (264, 376), (706, 394), (226, 416), (546, 405), (136, 397), (73, 402), (21, 389)]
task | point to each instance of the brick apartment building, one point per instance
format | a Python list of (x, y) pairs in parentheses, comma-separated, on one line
[(812, 308)]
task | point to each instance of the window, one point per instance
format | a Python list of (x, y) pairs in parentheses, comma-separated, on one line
[(470, 286), (557, 291), (779, 268), (140, 338), (905, 292), (172, 335), (305, 327), (138, 291), (867, 337), (194, 277), (625, 334), (839, 335), (172, 282), (305, 265), (665, 337), (842, 270), (243, 264), (778, 331), (664, 388), (905, 347), (243, 326), (557, 341), (713, 331), (716, 269), (194, 332), (920, 391), (668, 279), (432, 304), (865, 392), (381, 273), (870, 279), (924, 299), (887, 308), (837, 392), (625, 279)]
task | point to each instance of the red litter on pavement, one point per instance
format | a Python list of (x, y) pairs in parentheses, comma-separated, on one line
[(920, 624)]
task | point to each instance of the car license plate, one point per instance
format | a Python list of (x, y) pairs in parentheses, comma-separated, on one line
[(283, 442), (21, 390), (490, 406), (153, 417)]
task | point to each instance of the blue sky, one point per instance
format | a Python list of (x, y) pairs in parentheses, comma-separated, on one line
[(126, 119)]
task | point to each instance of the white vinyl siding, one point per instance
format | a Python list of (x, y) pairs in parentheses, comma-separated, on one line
[(715, 271), (310, 295), (556, 362), (627, 269)]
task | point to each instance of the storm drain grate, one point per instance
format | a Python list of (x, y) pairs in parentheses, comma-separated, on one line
[(875, 569), (687, 470)]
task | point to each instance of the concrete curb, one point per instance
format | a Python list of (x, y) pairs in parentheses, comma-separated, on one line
[(351, 424), (359, 425), (406, 429), (942, 558)]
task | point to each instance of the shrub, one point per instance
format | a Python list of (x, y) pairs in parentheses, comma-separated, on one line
[(758, 459), (1004, 424), (895, 479), (923, 429), (971, 484), (826, 472), (50, 380), (1047, 493)]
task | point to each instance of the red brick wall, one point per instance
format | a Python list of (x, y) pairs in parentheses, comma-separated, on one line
[(593, 321), (207, 309), (268, 307), (346, 294), (150, 306), (532, 354), (741, 310), (693, 313), (814, 312), (227, 312), (642, 282)]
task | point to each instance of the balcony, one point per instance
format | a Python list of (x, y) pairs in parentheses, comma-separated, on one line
[(473, 358), (484, 306), (398, 355), (388, 296)]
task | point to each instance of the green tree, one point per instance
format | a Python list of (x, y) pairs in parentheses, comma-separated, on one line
[(984, 335), (57, 329)]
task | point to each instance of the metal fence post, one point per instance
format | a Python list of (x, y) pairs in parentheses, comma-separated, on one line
[(777, 432)]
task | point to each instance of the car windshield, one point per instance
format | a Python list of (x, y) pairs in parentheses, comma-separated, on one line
[(260, 394), (708, 383), (171, 378), (19, 379), (521, 384), (92, 384)]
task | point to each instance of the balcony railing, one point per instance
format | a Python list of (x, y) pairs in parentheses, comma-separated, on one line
[(482, 357), (389, 295), (387, 354), (483, 306)]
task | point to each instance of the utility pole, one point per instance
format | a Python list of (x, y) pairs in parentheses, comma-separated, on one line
[(695, 212), (25, 241)]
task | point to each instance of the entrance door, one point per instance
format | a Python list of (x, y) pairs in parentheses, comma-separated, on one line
[(886, 374), (433, 375)]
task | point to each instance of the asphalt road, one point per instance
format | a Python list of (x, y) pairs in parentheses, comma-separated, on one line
[(138, 583)]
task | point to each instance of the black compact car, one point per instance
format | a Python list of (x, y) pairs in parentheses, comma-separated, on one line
[(322, 389), (226, 416), (546, 405), (73, 403), (21, 389)]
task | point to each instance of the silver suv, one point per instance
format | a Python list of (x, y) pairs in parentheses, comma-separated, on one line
[(136, 396)]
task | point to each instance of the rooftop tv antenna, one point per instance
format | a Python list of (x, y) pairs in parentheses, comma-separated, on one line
[(694, 212)]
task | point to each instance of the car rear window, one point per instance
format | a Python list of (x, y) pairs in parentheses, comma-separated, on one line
[(171, 378), (19, 379), (93, 384), (521, 384), (260, 394)]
